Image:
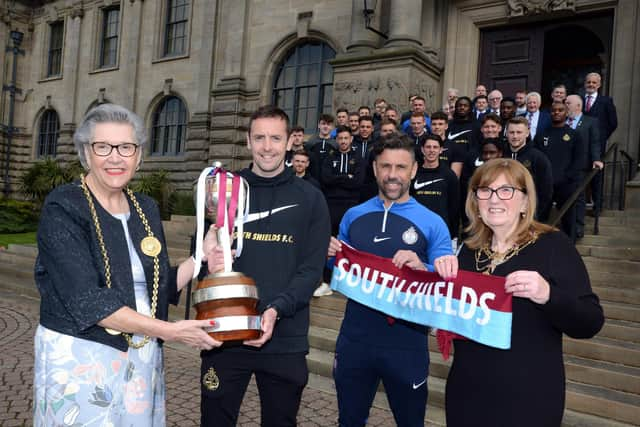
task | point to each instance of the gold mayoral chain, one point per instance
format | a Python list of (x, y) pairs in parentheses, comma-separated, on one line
[(150, 246), (487, 260)]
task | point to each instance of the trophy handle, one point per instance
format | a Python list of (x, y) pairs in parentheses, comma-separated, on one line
[(200, 206), (240, 194)]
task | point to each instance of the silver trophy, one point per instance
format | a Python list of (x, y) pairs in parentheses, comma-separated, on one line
[(229, 298)]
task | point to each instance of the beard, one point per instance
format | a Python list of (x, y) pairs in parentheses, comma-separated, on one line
[(393, 194)]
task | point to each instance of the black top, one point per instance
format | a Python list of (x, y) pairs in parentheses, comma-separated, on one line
[(69, 269), (540, 168), (565, 150), (286, 236), (318, 148), (438, 190), (465, 135), (525, 385), (342, 175)]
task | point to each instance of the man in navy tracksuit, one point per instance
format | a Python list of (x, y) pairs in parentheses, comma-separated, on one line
[(372, 346), (342, 175)]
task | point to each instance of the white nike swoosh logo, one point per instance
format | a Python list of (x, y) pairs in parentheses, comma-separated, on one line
[(260, 215), (455, 135), (443, 150), (379, 239), (417, 386), (478, 162), (418, 185)]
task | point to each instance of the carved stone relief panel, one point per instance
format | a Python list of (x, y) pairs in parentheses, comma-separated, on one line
[(352, 93), (536, 7)]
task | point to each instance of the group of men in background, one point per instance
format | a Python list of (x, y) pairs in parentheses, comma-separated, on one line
[(558, 145)]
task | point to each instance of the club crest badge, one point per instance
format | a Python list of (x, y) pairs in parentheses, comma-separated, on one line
[(566, 137), (210, 380), (410, 236)]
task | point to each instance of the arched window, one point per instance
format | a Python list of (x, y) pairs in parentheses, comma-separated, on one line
[(48, 134), (169, 128), (303, 85)]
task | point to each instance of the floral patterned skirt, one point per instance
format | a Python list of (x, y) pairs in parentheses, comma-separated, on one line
[(83, 383)]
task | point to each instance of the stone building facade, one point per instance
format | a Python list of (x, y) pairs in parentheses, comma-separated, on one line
[(196, 69)]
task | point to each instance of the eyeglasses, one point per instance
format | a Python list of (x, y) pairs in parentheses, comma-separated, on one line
[(504, 193), (103, 149)]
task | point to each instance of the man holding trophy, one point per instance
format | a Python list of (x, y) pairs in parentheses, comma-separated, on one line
[(280, 244)]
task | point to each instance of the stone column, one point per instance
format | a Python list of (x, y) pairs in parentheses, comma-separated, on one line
[(405, 21), (131, 51), (362, 39), (72, 60)]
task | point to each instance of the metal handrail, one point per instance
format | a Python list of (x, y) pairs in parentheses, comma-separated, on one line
[(585, 182), (633, 166)]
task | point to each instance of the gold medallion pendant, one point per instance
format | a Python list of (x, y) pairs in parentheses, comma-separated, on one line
[(210, 380), (150, 246)]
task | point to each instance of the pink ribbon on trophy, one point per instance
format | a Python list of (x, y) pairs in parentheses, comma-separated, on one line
[(222, 199)]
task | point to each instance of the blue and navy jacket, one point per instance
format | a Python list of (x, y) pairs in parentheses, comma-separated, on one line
[(370, 227)]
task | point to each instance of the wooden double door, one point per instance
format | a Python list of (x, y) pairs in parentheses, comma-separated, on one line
[(536, 56)]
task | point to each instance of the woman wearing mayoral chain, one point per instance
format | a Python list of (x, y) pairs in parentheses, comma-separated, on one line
[(105, 282)]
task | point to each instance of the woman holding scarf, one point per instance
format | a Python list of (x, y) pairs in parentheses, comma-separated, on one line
[(524, 385)]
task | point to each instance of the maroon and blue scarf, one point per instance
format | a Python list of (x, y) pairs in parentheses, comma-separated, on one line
[(472, 305)]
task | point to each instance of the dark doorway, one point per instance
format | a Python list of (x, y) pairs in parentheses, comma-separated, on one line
[(537, 56)]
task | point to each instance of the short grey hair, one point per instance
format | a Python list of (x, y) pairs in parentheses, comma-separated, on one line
[(534, 95), (106, 113)]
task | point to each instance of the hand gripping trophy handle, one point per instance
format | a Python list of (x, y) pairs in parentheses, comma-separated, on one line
[(228, 297)]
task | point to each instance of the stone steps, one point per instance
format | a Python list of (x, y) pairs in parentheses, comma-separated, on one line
[(600, 372), (603, 402), (623, 238), (604, 349), (609, 293), (604, 252), (620, 266), (621, 330), (614, 221), (617, 407)]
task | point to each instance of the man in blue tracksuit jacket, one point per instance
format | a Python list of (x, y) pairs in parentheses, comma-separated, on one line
[(372, 346)]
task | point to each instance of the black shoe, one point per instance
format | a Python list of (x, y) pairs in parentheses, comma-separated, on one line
[(579, 234)]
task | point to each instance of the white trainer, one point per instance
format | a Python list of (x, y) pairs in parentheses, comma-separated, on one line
[(322, 290)]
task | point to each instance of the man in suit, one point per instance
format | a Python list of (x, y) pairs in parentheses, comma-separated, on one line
[(495, 98), (588, 130), (480, 106), (602, 108), (538, 120)]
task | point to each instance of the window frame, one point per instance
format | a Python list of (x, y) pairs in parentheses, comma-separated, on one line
[(323, 101), (102, 37), (161, 133), (47, 145), (168, 25), (57, 50)]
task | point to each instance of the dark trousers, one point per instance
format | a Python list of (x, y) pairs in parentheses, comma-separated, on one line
[(596, 191), (358, 369), (561, 194), (596, 195), (280, 379), (337, 209)]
